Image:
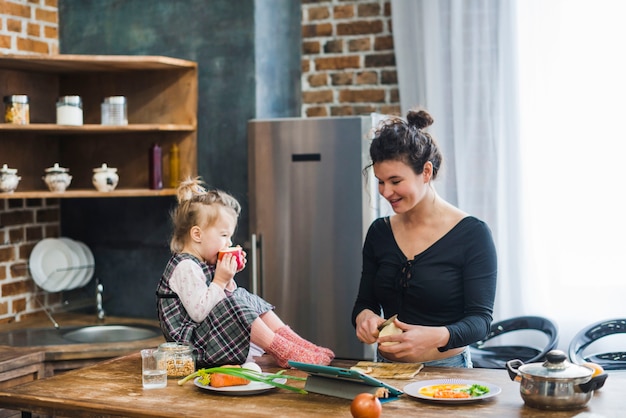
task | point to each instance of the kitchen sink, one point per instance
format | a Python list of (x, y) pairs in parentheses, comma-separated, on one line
[(78, 335)]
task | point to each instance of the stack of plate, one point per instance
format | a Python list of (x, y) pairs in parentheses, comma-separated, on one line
[(58, 264)]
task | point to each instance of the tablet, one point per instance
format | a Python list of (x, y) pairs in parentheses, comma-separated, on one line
[(346, 375)]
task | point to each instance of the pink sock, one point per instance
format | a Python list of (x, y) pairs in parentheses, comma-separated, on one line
[(284, 350), (292, 336)]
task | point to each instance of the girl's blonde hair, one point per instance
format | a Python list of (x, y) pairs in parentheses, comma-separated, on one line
[(198, 205)]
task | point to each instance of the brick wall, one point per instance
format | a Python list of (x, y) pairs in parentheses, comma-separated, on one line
[(29, 27), (348, 60), (26, 27)]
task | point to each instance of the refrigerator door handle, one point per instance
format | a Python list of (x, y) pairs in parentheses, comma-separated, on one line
[(254, 259)]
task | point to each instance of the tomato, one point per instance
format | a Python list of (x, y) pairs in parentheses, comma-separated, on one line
[(366, 405), (597, 369)]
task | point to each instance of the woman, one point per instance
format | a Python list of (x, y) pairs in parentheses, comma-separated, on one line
[(431, 263)]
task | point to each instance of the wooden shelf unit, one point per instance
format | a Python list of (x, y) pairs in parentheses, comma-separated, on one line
[(162, 97)]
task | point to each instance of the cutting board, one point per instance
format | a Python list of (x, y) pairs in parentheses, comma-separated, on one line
[(388, 370)]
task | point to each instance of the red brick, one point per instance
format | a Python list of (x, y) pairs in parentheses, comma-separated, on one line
[(387, 9), (16, 235), (364, 110), (17, 217), (24, 250), (360, 96), (311, 47), (47, 215), (369, 9), (15, 288), (333, 46), (46, 15), (18, 305), (14, 9), (17, 270), (320, 96), (317, 80), (380, 60), (32, 45), (362, 27), (390, 110), (389, 77), (34, 233), (337, 63), (5, 42), (341, 111), (306, 66), (382, 43), (394, 96), (342, 79), (33, 29), (14, 25), (316, 111), (322, 29), (343, 12), (51, 3), (51, 32), (318, 13), (3, 273), (52, 231), (4, 309), (361, 44), (367, 77)]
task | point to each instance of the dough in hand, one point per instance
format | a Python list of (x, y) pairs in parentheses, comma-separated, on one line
[(390, 329)]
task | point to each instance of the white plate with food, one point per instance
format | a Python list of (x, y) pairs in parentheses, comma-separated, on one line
[(252, 388), (451, 390)]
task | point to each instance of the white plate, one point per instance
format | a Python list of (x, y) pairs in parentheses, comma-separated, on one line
[(74, 273), (413, 389), (251, 388), (49, 264), (87, 265)]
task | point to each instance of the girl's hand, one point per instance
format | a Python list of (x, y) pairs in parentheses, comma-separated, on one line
[(244, 260), (225, 270)]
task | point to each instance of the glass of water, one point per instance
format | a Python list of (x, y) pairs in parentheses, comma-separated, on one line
[(153, 369)]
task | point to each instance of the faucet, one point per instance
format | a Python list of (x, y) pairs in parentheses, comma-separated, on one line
[(99, 291)]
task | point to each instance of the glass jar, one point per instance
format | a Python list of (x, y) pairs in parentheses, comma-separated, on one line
[(69, 110), (17, 109), (114, 111), (180, 359)]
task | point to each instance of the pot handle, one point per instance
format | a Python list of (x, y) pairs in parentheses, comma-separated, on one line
[(594, 384), (512, 366)]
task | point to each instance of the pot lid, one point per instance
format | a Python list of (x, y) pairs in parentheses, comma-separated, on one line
[(556, 366), (104, 169), (56, 169), (6, 170)]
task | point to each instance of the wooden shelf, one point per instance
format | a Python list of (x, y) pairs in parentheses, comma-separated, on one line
[(162, 100), (68, 194)]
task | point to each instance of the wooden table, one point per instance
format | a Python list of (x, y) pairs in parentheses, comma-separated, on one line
[(113, 388)]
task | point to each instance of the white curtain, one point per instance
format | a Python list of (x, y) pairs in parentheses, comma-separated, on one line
[(528, 100), (455, 58)]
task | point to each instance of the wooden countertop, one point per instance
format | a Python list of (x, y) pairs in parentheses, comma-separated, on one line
[(86, 350), (113, 388)]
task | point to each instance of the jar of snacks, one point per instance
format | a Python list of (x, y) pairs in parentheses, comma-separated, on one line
[(16, 109), (180, 359)]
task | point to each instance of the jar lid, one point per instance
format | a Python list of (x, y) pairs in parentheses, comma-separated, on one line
[(16, 98), (70, 100), (104, 169), (115, 100), (174, 347), (56, 169), (6, 170), (556, 366)]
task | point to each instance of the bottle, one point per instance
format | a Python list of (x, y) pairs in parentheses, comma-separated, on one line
[(17, 109), (156, 167), (114, 111), (69, 110), (174, 166)]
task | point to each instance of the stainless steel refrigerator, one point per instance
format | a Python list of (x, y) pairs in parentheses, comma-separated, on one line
[(310, 207)]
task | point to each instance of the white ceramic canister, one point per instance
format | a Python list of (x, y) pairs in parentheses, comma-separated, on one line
[(69, 110), (57, 178), (105, 178), (8, 179), (114, 111)]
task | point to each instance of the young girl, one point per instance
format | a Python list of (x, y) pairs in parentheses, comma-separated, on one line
[(198, 300)]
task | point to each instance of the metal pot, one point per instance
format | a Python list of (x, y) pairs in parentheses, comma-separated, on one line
[(555, 384)]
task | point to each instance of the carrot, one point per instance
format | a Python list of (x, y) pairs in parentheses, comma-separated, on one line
[(220, 380)]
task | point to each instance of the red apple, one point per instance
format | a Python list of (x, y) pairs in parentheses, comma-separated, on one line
[(236, 252)]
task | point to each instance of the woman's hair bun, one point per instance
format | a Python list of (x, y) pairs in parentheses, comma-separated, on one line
[(419, 118)]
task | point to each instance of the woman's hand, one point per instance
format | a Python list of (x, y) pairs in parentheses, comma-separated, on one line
[(415, 344), (367, 323)]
